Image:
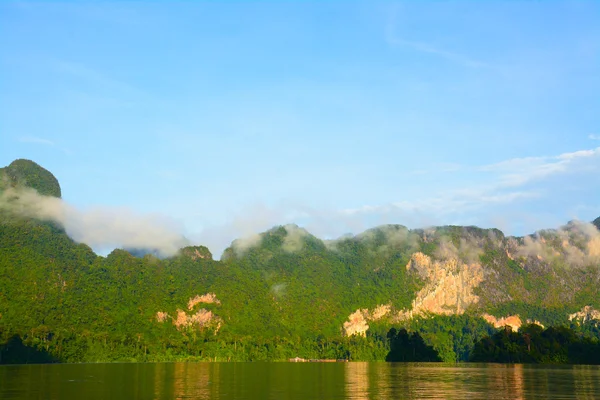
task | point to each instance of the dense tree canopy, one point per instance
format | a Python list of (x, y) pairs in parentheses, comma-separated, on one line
[(287, 295)]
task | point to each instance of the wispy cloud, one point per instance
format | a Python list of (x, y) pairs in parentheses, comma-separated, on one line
[(430, 49), (501, 184), (510, 181), (89, 87), (31, 139), (520, 171), (393, 40), (594, 137), (101, 227), (92, 75), (42, 141)]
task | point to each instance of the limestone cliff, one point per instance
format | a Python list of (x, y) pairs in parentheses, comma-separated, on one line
[(586, 314), (357, 323), (448, 290), (514, 321), (197, 252), (449, 286), (201, 319)]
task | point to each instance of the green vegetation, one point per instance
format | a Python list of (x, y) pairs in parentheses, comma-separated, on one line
[(453, 336), (533, 344), (288, 295), (26, 173), (405, 347)]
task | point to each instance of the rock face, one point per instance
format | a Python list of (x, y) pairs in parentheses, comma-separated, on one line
[(357, 321), (586, 314), (208, 298), (356, 324), (201, 319), (161, 316), (449, 290), (593, 247), (514, 321), (449, 286), (197, 252)]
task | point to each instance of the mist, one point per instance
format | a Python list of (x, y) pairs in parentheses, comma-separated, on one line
[(99, 227), (112, 227), (577, 243)]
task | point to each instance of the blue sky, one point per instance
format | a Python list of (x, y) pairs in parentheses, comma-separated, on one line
[(231, 117)]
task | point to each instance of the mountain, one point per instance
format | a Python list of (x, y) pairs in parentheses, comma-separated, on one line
[(286, 293), (26, 173)]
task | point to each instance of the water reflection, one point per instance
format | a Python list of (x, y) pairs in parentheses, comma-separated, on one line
[(357, 380), (290, 381), (470, 381)]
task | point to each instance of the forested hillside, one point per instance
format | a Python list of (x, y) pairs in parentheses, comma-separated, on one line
[(286, 293)]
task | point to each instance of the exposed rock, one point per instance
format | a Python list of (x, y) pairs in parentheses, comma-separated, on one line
[(586, 314), (357, 321), (514, 321), (594, 247), (536, 322), (203, 318), (161, 316), (197, 252), (208, 298), (379, 312), (448, 289), (509, 255), (356, 324)]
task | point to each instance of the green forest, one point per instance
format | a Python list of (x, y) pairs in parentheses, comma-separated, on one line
[(61, 302)]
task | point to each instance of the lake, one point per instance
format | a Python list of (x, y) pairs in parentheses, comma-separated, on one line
[(298, 381)]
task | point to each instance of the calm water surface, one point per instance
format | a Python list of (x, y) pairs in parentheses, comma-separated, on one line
[(298, 381)]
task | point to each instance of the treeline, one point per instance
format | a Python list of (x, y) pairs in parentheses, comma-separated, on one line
[(91, 347), (59, 298), (287, 296), (534, 344)]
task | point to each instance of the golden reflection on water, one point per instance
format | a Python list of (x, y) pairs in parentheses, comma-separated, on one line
[(442, 381), (366, 381), (185, 380), (191, 381), (293, 381), (357, 380), (381, 375), (505, 380)]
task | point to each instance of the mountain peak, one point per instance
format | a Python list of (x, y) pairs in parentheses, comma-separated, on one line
[(27, 173)]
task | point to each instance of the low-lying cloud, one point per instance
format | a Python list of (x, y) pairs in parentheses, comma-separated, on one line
[(100, 227), (577, 244)]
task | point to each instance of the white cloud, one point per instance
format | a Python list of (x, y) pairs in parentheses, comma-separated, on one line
[(98, 227), (594, 137), (393, 40), (510, 181), (430, 49), (520, 171), (42, 141), (504, 184), (31, 139)]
